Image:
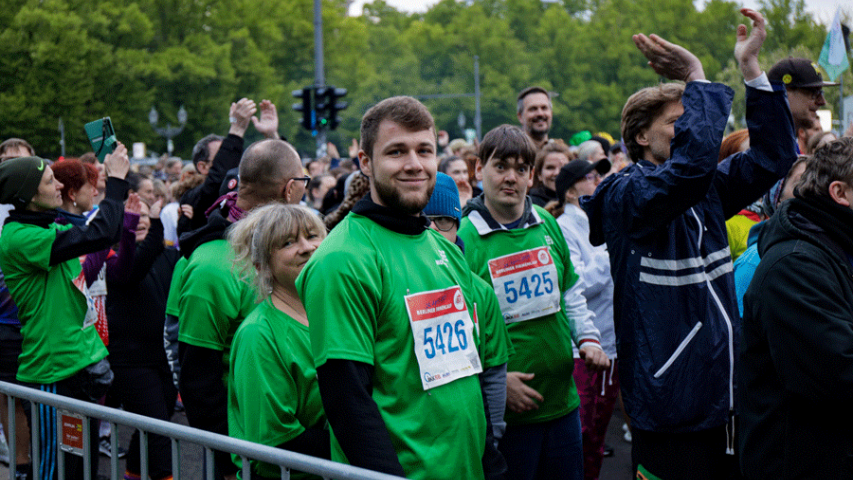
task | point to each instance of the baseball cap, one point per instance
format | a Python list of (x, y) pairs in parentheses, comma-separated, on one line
[(798, 73), (576, 170)]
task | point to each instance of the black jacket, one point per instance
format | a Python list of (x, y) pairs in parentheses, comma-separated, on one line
[(136, 303), (795, 369), (203, 196), (541, 195)]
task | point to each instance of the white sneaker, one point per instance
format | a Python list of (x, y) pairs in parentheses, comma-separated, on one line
[(627, 435)]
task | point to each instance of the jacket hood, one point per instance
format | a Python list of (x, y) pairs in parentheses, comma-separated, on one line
[(478, 204), (815, 220), (215, 229)]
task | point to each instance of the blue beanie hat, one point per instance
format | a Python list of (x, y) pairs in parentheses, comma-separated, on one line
[(445, 198)]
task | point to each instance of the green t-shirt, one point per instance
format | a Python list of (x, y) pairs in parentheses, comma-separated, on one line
[(51, 309), (543, 345), (496, 347), (172, 304), (353, 289), (213, 299), (274, 395)]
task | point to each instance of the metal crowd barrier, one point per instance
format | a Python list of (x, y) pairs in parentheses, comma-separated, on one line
[(68, 441)]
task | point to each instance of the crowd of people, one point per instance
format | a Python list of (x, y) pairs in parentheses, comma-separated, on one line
[(435, 309)]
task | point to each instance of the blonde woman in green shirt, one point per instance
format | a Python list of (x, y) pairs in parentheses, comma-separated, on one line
[(274, 399)]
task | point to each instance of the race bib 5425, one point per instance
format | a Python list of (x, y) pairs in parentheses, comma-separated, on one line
[(526, 284)]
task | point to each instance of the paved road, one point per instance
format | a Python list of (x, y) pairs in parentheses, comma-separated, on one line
[(617, 467)]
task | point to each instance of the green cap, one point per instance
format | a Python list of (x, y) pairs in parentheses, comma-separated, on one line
[(19, 180)]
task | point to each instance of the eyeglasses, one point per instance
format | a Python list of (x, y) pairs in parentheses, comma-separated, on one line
[(593, 176), (442, 223), (305, 179), (812, 93)]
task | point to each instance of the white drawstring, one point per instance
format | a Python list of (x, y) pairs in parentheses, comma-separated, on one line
[(730, 438), (606, 380)]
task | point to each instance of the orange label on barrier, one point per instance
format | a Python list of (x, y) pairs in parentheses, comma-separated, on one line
[(72, 432)]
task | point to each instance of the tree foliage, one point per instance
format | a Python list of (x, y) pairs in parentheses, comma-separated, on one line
[(82, 59)]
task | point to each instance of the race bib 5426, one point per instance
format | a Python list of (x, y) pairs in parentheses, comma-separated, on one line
[(444, 336)]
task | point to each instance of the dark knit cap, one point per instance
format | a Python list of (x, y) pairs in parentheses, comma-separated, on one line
[(19, 180), (445, 198)]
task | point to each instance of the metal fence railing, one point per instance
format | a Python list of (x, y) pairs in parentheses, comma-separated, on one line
[(71, 412)]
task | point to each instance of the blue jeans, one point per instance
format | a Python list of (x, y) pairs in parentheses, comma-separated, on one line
[(546, 450)]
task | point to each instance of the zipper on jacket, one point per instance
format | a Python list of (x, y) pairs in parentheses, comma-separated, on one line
[(678, 350), (727, 320)]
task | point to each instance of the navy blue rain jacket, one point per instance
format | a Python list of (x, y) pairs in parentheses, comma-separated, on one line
[(675, 311)]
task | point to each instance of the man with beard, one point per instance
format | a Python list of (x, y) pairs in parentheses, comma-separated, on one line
[(392, 308), (804, 85), (534, 114)]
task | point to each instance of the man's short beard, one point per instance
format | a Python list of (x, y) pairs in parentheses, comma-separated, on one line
[(538, 133), (392, 199)]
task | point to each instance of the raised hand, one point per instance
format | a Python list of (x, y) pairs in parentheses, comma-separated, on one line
[(133, 204), (748, 46), (117, 164), (240, 114), (332, 150), (353, 149), (668, 59), (154, 209), (268, 123)]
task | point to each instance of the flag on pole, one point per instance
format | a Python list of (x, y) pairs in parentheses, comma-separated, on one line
[(833, 56)]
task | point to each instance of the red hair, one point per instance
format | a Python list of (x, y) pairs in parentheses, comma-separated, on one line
[(73, 174), (731, 143)]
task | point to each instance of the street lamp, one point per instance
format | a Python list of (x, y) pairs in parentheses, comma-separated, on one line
[(169, 132)]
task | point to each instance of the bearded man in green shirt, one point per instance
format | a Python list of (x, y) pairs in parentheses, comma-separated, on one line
[(391, 306)]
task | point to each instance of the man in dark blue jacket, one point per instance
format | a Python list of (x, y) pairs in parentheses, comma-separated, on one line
[(663, 221)]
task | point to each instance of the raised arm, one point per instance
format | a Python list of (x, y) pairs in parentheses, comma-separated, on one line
[(105, 227), (668, 59), (748, 46)]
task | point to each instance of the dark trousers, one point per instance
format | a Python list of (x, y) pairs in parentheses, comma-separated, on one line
[(148, 391), (48, 447), (546, 450), (692, 455)]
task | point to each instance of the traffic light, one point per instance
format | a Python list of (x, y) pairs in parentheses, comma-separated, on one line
[(321, 106), (328, 106), (335, 106), (308, 121)]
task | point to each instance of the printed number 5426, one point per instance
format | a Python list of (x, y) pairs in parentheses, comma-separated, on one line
[(448, 331)]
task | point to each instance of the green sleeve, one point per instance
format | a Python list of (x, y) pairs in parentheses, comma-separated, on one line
[(172, 307), (203, 323), (495, 345), (29, 247), (341, 293)]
